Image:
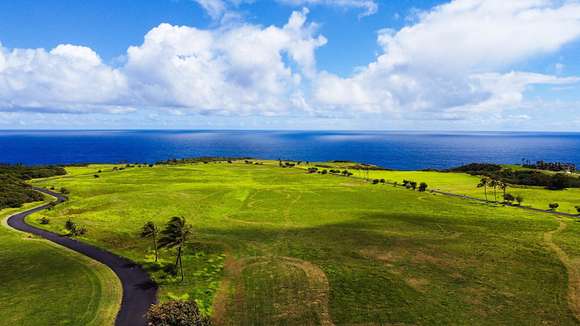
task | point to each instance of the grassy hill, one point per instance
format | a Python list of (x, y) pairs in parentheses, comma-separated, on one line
[(279, 246), (44, 284)]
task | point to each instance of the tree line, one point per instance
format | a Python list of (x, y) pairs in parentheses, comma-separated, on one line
[(14, 191)]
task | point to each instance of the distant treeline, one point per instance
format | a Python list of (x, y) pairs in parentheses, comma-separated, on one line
[(14, 191), (551, 166), (207, 159), (555, 181)]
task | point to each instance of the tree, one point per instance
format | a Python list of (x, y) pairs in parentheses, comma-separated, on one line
[(176, 233), (150, 230), (503, 186), (519, 199), (554, 206), (494, 183), (423, 187), (484, 182)]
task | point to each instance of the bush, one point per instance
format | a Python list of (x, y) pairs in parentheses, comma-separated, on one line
[(96, 176), (74, 229), (64, 191), (519, 199), (176, 313), (577, 209), (554, 206), (508, 198), (423, 187), (44, 220)]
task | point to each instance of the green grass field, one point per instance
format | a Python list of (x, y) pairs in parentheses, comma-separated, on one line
[(465, 184), (277, 246), (45, 284)]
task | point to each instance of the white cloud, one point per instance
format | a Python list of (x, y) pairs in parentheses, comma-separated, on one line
[(67, 78), (454, 62), (369, 7), (452, 59), (214, 8)]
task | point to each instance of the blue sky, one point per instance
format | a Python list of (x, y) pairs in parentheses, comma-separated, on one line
[(290, 64)]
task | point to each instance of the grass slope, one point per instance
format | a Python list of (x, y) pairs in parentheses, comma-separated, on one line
[(45, 284), (315, 249), (465, 184)]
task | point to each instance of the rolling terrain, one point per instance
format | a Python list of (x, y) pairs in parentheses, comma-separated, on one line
[(275, 245)]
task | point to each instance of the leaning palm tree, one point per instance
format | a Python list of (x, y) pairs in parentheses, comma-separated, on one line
[(150, 230), (175, 235), (484, 182)]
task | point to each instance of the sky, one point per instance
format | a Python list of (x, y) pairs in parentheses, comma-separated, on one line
[(290, 64)]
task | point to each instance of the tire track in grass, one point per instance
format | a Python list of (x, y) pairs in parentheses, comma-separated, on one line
[(317, 282), (572, 271)]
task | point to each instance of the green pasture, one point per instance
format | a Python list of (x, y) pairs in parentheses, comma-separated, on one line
[(278, 246)]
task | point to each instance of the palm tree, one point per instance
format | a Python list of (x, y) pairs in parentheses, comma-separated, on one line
[(150, 230), (494, 183), (484, 182), (175, 234), (503, 186)]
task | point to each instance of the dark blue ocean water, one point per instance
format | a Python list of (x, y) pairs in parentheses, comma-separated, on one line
[(400, 150)]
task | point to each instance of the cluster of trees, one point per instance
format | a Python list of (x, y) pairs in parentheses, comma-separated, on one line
[(203, 159), (495, 184), (409, 184), (555, 181), (14, 191), (345, 173), (175, 235), (550, 166)]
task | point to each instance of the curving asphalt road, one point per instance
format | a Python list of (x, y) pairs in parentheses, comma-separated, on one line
[(139, 291)]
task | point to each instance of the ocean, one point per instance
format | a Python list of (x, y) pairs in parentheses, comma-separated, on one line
[(392, 149)]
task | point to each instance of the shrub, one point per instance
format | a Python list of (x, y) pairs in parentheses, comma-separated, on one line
[(44, 220), (176, 313), (519, 199), (508, 198), (96, 176), (423, 187), (70, 226), (64, 191), (577, 209), (382, 181), (554, 206), (74, 229), (413, 185)]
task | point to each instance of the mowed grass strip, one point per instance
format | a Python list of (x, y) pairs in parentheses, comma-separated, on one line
[(389, 255), (46, 284)]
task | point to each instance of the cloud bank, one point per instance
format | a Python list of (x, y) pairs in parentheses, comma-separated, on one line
[(452, 63)]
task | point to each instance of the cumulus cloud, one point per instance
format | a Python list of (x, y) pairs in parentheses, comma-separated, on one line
[(453, 59), (453, 62), (236, 70), (67, 78)]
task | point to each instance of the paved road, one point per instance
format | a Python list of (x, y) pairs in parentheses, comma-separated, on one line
[(139, 292)]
